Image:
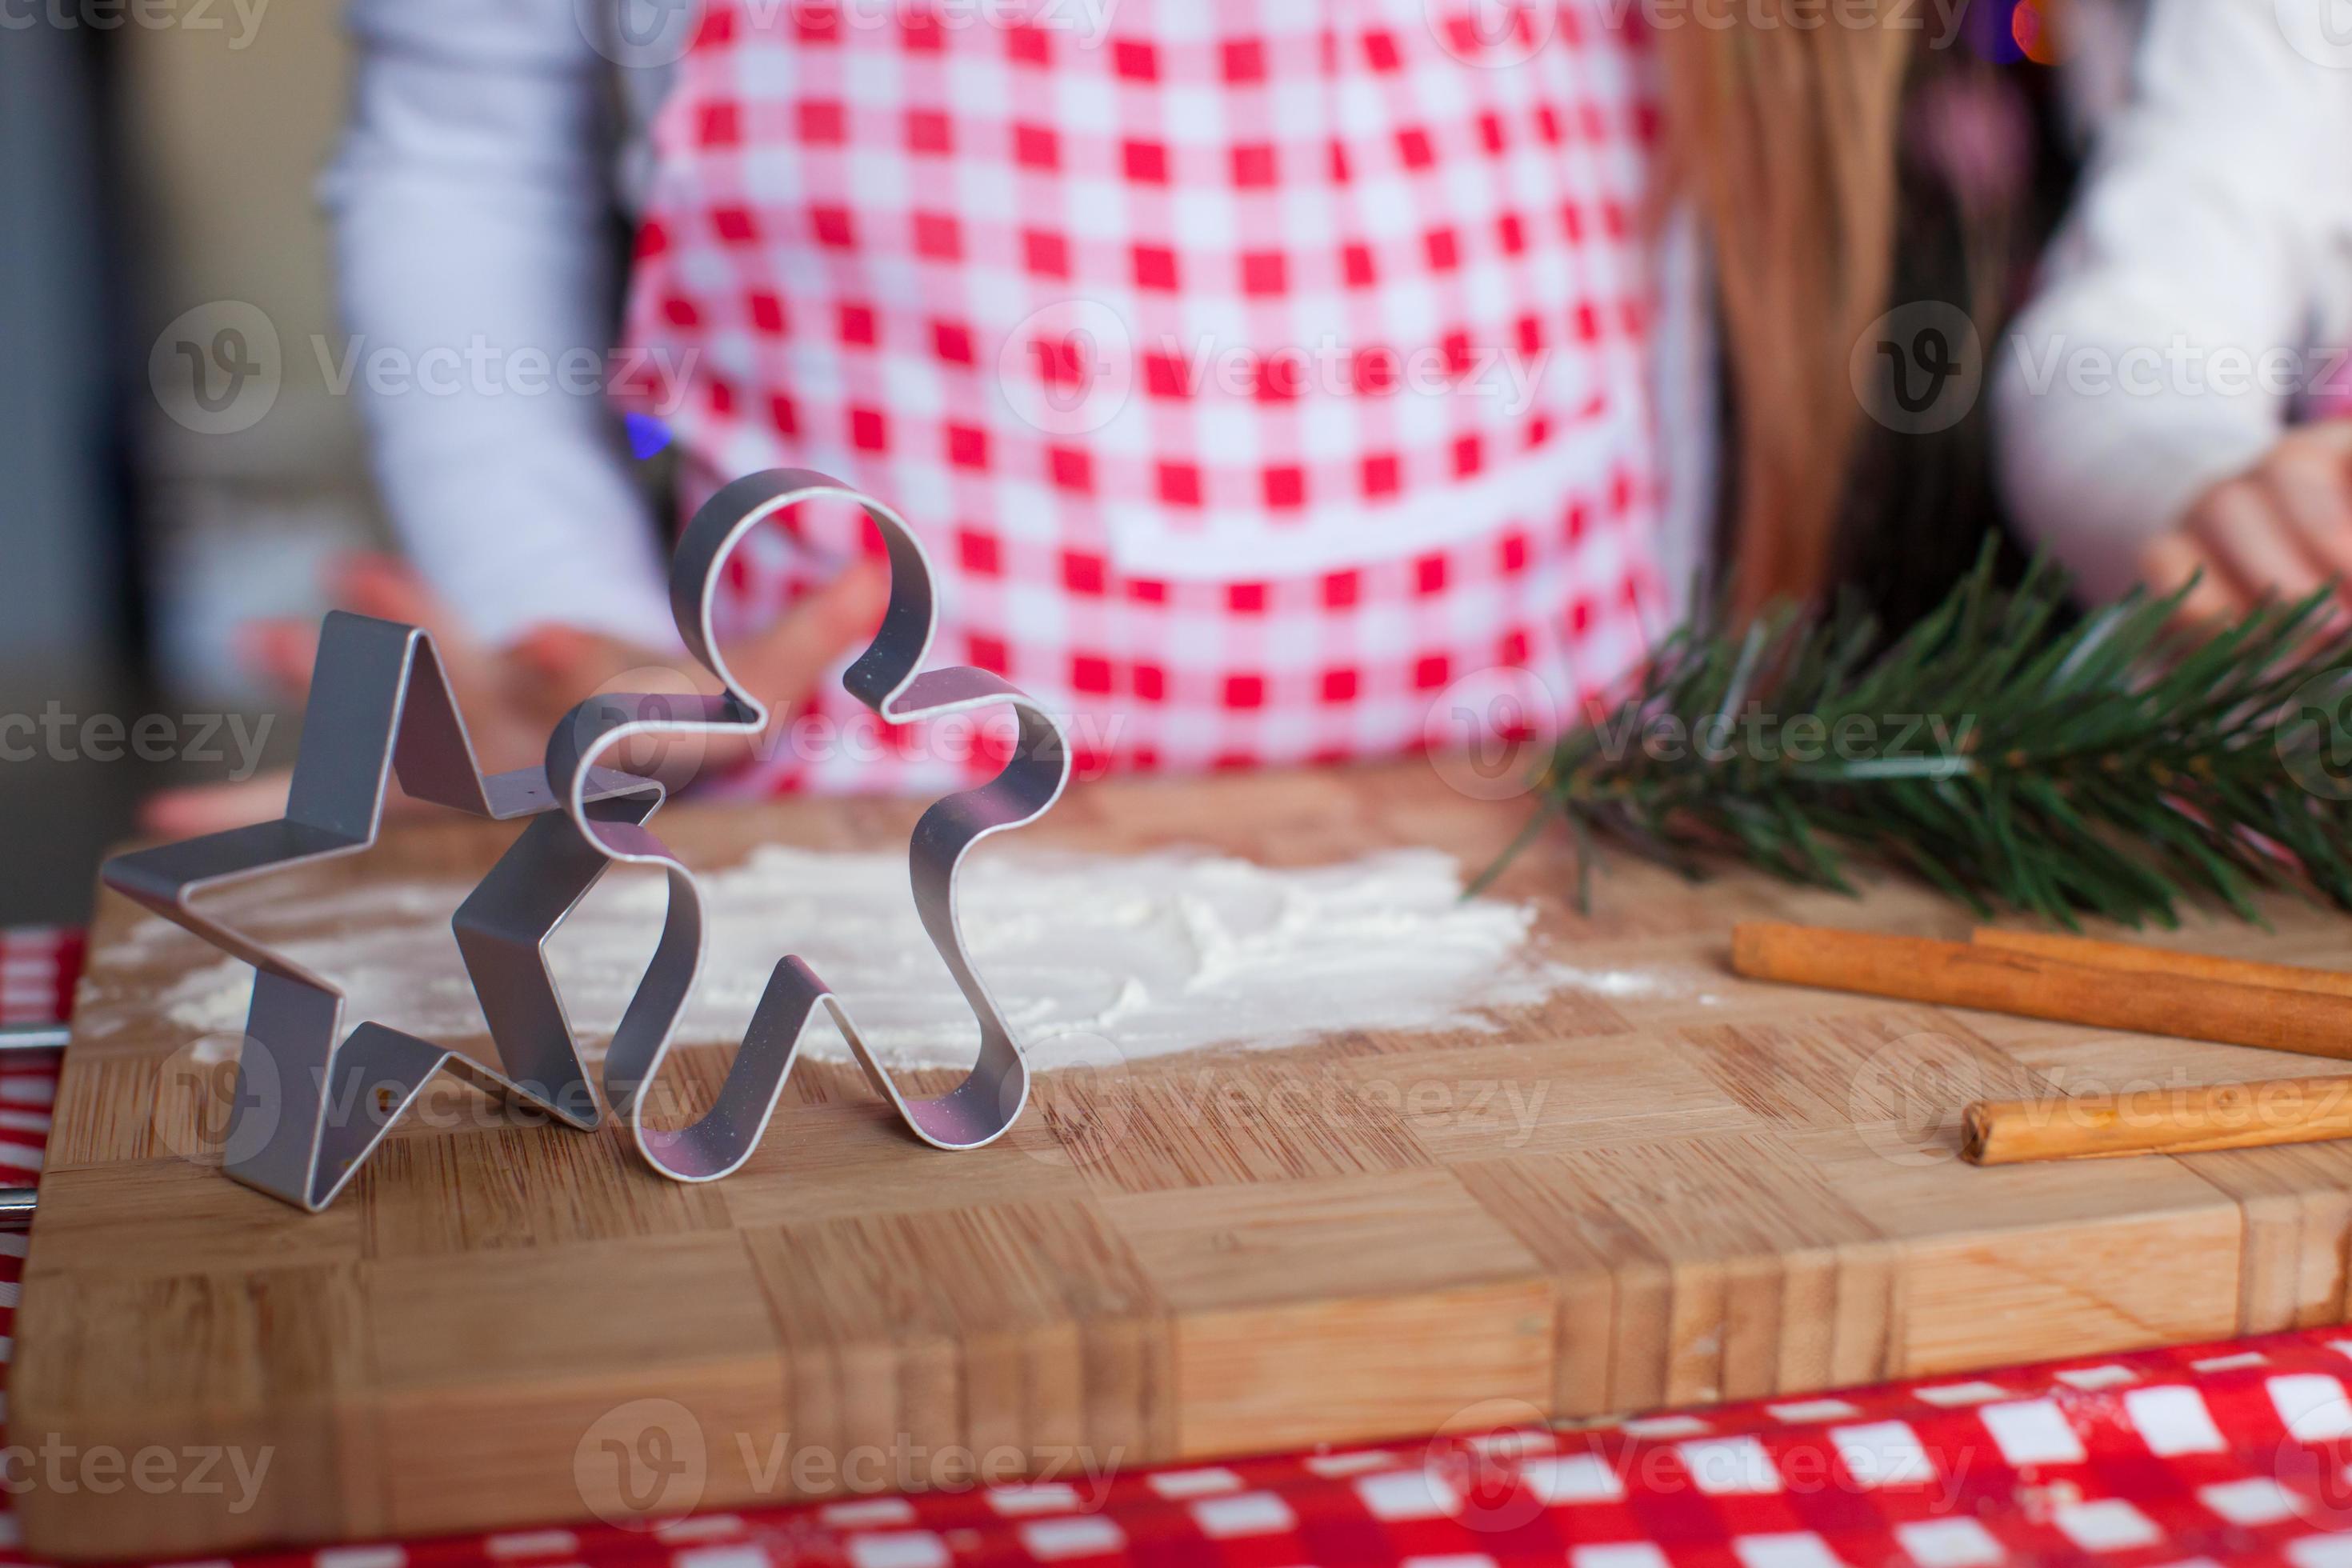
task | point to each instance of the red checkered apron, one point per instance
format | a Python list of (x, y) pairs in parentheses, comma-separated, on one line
[(1256, 370)]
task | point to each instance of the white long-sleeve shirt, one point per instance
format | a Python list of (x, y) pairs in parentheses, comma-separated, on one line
[(473, 201), (2213, 230), (489, 142)]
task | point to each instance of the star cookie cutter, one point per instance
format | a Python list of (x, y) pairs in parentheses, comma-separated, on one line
[(889, 677), (311, 1104)]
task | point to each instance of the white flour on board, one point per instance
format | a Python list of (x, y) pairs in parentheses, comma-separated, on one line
[(1156, 954)]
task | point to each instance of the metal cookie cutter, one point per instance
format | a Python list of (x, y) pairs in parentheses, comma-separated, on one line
[(888, 679), (311, 1105)]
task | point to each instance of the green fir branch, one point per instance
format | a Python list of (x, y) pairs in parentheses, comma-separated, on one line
[(2110, 765)]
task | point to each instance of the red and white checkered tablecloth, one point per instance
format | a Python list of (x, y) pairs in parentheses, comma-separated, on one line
[(2231, 1453)]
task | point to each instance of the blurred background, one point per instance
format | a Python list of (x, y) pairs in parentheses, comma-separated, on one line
[(148, 171), (158, 164)]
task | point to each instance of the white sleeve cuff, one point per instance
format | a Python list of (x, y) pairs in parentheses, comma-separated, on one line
[(2094, 480)]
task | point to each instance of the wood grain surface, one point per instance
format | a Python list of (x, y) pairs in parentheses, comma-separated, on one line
[(1690, 1190)]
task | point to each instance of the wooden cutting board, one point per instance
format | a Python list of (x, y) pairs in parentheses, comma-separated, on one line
[(1631, 1195)]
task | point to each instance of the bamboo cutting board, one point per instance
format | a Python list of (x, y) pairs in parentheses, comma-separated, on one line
[(1700, 1190)]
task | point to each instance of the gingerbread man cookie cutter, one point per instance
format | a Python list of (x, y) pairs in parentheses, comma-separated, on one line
[(890, 679)]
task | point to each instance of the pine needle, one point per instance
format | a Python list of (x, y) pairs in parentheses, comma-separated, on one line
[(2111, 766)]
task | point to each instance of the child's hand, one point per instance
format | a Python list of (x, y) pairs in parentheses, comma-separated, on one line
[(2279, 531), (513, 698), (551, 668)]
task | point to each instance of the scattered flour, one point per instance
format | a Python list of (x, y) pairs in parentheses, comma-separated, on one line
[(1617, 983), (1156, 954)]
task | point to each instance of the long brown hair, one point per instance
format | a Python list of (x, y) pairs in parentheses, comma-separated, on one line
[(1783, 133)]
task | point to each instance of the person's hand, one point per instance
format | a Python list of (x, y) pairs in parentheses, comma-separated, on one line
[(551, 668), (513, 698), (2280, 530)]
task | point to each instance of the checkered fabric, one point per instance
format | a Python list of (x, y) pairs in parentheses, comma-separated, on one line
[(38, 966), (1254, 370), (2238, 1453)]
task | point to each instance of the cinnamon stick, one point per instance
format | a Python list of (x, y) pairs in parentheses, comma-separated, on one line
[(2178, 1120), (2135, 959), (2003, 980)]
